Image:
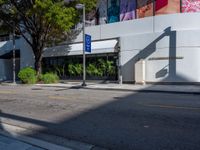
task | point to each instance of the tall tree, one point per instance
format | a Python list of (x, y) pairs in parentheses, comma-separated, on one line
[(41, 21)]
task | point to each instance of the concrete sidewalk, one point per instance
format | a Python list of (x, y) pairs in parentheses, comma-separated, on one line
[(182, 89), (9, 143), (14, 138)]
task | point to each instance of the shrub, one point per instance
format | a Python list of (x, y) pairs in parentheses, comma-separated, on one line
[(110, 68), (50, 78), (39, 78), (71, 70), (27, 75), (102, 66), (107, 67), (92, 70), (75, 69), (79, 69), (60, 70)]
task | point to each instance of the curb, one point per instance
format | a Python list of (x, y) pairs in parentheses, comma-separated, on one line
[(32, 141), (21, 134), (144, 90), (107, 88), (123, 89)]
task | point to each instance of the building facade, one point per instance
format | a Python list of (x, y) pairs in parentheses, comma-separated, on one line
[(162, 35)]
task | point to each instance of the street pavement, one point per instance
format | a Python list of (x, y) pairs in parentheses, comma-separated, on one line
[(106, 118), (182, 89), (8, 143)]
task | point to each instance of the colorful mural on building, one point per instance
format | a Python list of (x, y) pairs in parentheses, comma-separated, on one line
[(190, 5), (102, 12), (110, 11), (91, 18), (144, 8), (113, 11), (127, 10), (167, 6)]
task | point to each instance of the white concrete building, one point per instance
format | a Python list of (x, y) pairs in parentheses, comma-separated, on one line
[(168, 45)]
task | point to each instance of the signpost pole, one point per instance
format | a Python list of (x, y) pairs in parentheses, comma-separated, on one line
[(84, 60), (14, 77), (86, 43)]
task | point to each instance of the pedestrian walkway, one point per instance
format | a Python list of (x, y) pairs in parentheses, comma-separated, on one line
[(13, 137), (184, 89), (8, 143)]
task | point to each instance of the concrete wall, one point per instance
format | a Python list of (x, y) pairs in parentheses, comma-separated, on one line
[(26, 54), (170, 56), (115, 30), (180, 21), (6, 69), (6, 65), (171, 51), (169, 44)]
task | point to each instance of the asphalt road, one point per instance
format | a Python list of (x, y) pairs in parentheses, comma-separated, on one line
[(110, 119)]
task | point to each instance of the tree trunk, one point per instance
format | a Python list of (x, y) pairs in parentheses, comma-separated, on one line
[(37, 47), (38, 63)]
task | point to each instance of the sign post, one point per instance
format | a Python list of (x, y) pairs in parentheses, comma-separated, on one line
[(86, 48), (88, 43)]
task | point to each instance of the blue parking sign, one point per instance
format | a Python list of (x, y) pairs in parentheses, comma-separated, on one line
[(88, 43)]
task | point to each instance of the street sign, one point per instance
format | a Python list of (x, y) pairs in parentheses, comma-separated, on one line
[(88, 43)]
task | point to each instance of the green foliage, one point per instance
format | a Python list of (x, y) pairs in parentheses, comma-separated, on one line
[(110, 68), (102, 65), (46, 21), (39, 77), (79, 69), (60, 70), (4, 29), (54, 13), (27, 75), (75, 69), (107, 67), (89, 4), (92, 70), (99, 69), (71, 70), (50, 78)]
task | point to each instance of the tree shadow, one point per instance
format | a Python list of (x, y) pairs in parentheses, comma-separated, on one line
[(134, 121), (168, 74), (62, 48)]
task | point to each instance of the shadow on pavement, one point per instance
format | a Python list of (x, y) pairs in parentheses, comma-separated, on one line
[(132, 122), (139, 121)]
